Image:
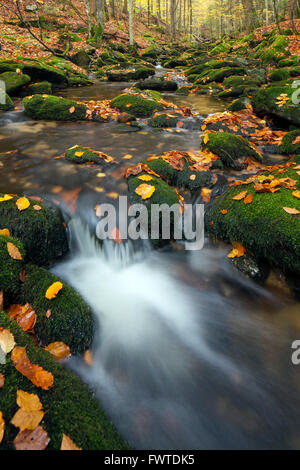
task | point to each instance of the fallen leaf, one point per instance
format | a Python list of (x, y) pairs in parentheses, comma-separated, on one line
[(58, 350), (37, 439), (36, 374), (296, 194), (2, 380), (13, 251), (24, 315), (68, 444), (240, 196), (223, 211), (7, 340), (72, 110), (53, 290), (2, 426), (6, 197), (206, 138), (79, 154), (1, 300), (112, 195), (88, 357), (291, 210), (37, 207), (237, 251), (248, 199), (22, 203), (192, 177), (205, 194), (145, 190), (127, 157), (5, 232), (48, 313)]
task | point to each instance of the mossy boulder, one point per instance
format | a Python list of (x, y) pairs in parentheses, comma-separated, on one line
[(79, 155), (165, 120), (70, 320), (78, 80), (39, 88), (127, 75), (41, 72), (275, 51), (239, 104), (221, 48), (263, 226), (10, 268), (8, 105), (230, 148), (183, 90), (157, 84), (169, 64), (219, 75), (14, 81), (54, 108), (136, 105), (288, 147), (39, 228), (152, 52), (70, 406), (237, 80), (81, 58), (267, 101), (279, 75)]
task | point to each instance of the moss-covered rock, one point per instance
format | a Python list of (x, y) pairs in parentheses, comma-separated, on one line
[(279, 74), (231, 148), (78, 80), (152, 52), (267, 101), (41, 72), (10, 268), (219, 75), (237, 80), (41, 231), (169, 64), (157, 84), (70, 406), (263, 227), (81, 58), (221, 48), (8, 105), (273, 52), (14, 81), (183, 90), (239, 104), (54, 108), (70, 321), (127, 75), (39, 88), (79, 155), (165, 120), (288, 147), (136, 105)]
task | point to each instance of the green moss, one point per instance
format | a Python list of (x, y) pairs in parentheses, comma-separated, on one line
[(275, 51), (230, 148), (14, 81), (263, 227), (170, 64), (287, 147), (165, 120), (78, 80), (237, 80), (265, 101), (183, 90), (42, 72), (10, 268), (87, 156), (41, 231), (71, 319), (127, 75), (294, 71), (151, 52), (8, 105), (279, 74), (70, 406), (219, 75), (81, 58), (136, 105), (40, 88), (239, 104), (157, 84), (53, 108), (221, 48)]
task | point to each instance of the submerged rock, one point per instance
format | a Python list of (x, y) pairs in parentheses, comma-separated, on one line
[(38, 227), (165, 120), (79, 155), (251, 268), (70, 406)]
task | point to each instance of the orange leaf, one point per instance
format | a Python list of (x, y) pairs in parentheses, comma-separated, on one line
[(36, 374), (296, 194), (22, 203), (240, 196), (72, 110), (58, 350), (13, 251), (2, 425), (88, 358), (206, 138), (205, 194), (223, 211), (237, 251), (53, 290), (5, 232), (2, 381), (24, 315), (37, 207), (248, 199), (68, 444)]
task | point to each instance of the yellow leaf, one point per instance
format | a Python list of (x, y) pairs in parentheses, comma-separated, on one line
[(22, 203), (291, 210), (28, 401), (58, 350), (206, 138), (5, 232), (68, 444), (79, 154), (240, 196), (2, 426), (7, 340), (72, 110), (145, 177), (127, 157), (237, 251), (192, 177), (112, 195), (6, 197), (13, 251), (53, 290), (296, 194), (24, 419), (145, 190)]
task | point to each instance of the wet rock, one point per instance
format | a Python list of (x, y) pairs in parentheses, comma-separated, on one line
[(251, 268), (265, 101), (81, 58), (157, 84), (165, 120), (239, 104), (54, 108), (127, 75), (8, 105), (39, 88), (14, 82), (125, 117), (70, 406), (138, 106), (79, 155), (39, 227), (288, 147)]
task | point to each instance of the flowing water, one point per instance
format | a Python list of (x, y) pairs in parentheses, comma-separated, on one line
[(189, 353)]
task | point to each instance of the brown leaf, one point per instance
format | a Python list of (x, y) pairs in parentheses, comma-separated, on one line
[(2, 426), (37, 207), (2, 380), (24, 315), (1, 299), (68, 444), (58, 350), (37, 439)]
